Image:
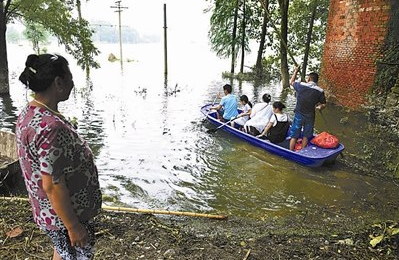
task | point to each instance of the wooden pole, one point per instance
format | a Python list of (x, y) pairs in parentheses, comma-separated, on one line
[(119, 11), (165, 36), (146, 211), (120, 34), (164, 212)]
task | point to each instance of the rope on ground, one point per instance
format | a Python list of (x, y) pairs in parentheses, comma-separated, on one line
[(146, 211)]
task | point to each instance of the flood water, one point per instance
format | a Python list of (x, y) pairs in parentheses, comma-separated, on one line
[(152, 150)]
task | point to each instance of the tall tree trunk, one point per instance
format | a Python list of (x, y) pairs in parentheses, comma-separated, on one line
[(308, 39), (233, 40), (244, 25), (4, 81), (258, 66), (283, 51), (36, 47), (84, 51)]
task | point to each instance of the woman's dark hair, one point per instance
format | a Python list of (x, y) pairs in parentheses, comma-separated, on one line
[(245, 99), (228, 88), (41, 70), (278, 105), (266, 98)]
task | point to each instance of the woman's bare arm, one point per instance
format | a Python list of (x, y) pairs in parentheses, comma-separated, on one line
[(269, 125), (58, 195)]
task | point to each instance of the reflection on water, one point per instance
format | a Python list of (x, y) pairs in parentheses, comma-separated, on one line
[(90, 119), (8, 112), (152, 149)]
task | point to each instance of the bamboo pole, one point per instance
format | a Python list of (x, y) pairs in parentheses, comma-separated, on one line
[(165, 212), (146, 211)]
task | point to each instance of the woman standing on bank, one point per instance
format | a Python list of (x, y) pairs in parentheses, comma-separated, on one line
[(57, 164)]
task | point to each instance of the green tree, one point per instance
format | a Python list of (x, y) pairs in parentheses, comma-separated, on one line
[(4, 18), (223, 30), (303, 36), (56, 17), (37, 34), (262, 39), (251, 17), (234, 39), (284, 4), (308, 23), (233, 23)]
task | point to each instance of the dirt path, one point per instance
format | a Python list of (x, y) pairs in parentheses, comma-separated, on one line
[(316, 234)]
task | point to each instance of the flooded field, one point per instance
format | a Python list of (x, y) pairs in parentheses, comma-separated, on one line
[(152, 149)]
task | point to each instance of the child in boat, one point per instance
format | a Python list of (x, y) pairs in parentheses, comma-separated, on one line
[(276, 129), (246, 111), (260, 116), (227, 109)]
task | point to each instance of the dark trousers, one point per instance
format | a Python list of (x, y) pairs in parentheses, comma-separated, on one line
[(252, 130)]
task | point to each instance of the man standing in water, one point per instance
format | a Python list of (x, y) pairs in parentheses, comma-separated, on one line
[(309, 97)]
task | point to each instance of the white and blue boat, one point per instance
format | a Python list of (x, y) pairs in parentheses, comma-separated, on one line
[(311, 156)]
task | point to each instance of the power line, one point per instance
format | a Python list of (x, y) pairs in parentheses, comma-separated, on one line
[(109, 25)]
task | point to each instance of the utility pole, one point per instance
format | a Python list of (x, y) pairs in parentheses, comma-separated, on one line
[(119, 11), (165, 27)]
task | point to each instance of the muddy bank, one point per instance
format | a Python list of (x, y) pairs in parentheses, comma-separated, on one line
[(370, 137), (318, 233)]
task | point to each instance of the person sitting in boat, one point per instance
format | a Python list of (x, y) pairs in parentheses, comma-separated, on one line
[(227, 109), (259, 117), (277, 128), (243, 117)]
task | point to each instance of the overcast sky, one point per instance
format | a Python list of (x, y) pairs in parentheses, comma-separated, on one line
[(185, 17)]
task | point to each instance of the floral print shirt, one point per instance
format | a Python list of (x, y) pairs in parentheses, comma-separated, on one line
[(49, 145)]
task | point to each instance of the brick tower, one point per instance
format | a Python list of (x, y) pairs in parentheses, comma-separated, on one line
[(361, 39)]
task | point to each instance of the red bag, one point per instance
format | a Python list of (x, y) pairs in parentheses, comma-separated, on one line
[(325, 140)]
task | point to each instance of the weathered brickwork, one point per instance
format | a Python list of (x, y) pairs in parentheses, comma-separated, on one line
[(356, 32)]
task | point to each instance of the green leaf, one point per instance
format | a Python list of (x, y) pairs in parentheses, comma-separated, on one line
[(376, 240), (377, 225), (393, 231)]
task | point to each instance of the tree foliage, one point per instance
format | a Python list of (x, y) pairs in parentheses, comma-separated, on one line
[(222, 23), (37, 34), (233, 24), (298, 17), (56, 17)]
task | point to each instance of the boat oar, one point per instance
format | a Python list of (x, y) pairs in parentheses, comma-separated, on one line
[(217, 128), (147, 211), (209, 111)]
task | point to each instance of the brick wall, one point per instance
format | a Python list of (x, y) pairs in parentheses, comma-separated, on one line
[(356, 32)]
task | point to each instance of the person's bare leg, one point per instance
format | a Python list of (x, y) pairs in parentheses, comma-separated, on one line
[(219, 116), (56, 256), (292, 144), (304, 142)]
